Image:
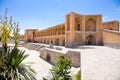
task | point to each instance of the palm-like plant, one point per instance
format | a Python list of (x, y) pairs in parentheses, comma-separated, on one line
[(61, 71)]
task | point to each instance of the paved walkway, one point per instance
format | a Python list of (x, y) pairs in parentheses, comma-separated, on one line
[(97, 63), (100, 63), (39, 65)]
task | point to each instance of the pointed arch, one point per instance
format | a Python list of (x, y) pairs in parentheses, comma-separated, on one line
[(90, 25)]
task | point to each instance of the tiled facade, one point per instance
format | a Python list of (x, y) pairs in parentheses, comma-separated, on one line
[(77, 30)]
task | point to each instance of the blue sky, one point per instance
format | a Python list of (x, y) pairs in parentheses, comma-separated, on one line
[(41, 14)]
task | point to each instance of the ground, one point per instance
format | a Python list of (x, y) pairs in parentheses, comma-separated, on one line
[(100, 63), (41, 67), (97, 63)]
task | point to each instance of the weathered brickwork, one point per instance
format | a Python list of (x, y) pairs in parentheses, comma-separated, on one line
[(111, 38), (111, 25), (30, 35), (77, 30)]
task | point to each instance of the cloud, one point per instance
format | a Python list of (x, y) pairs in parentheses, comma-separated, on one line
[(105, 17)]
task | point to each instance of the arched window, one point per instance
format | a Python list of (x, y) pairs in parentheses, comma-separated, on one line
[(78, 26), (91, 25)]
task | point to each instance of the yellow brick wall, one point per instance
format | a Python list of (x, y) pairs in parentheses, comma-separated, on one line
[(111, 25), (111, 36)]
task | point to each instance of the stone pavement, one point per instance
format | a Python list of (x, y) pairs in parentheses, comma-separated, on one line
[(97, 62), (100, 63)]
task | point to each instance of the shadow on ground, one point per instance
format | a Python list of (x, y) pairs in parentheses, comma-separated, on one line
[(86, 47)]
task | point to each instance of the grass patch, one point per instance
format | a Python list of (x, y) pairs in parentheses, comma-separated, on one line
[(78, 76)]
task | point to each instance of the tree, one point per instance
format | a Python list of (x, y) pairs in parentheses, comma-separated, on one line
[(61, 71)]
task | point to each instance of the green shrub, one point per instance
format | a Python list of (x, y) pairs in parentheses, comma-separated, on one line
[(61, 71)]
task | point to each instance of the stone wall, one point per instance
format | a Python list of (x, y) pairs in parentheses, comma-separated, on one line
[(49, 56), (29, 35), (75, 57), (52, 56)]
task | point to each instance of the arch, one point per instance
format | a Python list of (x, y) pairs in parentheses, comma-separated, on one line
[(29, 40), (51, 41), (48, 58), (43, 41), (91, 25), (47, 41), (111, 28), (40, 40), (90, 40), (78, 26), (63, 30), (57, 41), (63, 41), (77, 23)]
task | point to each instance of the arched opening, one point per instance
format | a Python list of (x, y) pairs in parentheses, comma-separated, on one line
[(57, 41), (51, 41), (91, 25), (47, 41), (90, 40), (48, 57), (63, 42), (111, 28), (78, 26), (40, 41), (29, 40), (33, 36), (43, 41)]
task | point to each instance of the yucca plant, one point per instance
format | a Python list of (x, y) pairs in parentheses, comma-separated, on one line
[(12, 67), (11, 60)]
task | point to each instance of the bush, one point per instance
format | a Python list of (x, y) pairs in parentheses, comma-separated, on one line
[(61, 71)]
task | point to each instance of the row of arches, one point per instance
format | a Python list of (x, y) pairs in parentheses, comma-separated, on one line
[(90, 24), (55, 41), (57, 30)]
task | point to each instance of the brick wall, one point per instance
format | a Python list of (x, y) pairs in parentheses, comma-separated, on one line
[(111, 38)]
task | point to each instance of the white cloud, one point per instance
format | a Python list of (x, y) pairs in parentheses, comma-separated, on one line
[(105, 17)]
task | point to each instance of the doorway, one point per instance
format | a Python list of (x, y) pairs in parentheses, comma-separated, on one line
[(90, 40)]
